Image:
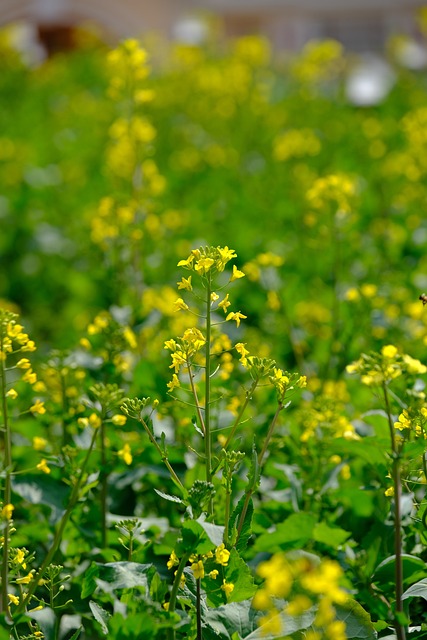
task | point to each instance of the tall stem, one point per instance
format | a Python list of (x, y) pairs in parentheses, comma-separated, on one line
[(60, 530), (104, 487), (397, 485), (7, 485), (198, 610), (195, 396), (208, 435), (175, 587)]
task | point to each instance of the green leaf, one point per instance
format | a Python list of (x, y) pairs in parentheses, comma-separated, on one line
[(293, 533), (254, 475), (40, 489), (357, 620), (195, 538), (46, 620), (76, 633), (100, 615), (214, 532), (413, 569), (330, 536), (166, 496), (89, 583), (238, 573), (417, 590), (246, 530), (124, 575)]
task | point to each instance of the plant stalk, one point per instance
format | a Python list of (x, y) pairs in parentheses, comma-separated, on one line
[(7, 486), (60, 530), (397, 485)]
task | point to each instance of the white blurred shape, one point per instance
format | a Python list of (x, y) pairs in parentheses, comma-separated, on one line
[(369, 82)]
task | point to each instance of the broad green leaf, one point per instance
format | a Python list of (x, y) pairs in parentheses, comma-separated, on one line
[(214, 532), (195, 538), (330, 536), (124, 575), (100, 615), (293, 533), (413, 569), (417, 590), (238, 573), (357, 620), (40, 489)]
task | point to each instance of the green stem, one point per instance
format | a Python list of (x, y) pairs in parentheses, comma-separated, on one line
[(397, 485), (153, 440), (195, 396), (198, 610), (60, 530), (7, 486), (241, 412), (104, 488), (208, 435), (251, 489), (175, 587), (227, 515)]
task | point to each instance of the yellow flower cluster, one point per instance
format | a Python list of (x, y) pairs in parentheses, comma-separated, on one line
[(304, 583), (211, 259), (319, 61), (337, 190), (381, 368), (411, 421), (127, 66), (219, 556), (296, 143), (13, 339)]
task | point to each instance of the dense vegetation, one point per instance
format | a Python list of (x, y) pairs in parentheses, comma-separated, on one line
[(211, 346)]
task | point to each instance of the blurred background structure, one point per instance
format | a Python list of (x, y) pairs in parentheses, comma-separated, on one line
[(360, 25)]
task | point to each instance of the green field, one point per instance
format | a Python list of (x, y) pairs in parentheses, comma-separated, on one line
[(212, 344)]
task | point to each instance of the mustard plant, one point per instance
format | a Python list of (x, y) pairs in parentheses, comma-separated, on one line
[(379, 371), (201, 368)]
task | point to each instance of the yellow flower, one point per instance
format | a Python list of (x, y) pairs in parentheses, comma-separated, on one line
[(30, 377), (174, 383), (26, 580), (213, 574), (179, 305), (228, 587), (236, 274), (170, 344), (188, 263), (94, 421), (222, 555), (173, 560), (298, 605), (240, 348), (166, 606), (389, 351), (198, 569), (389, 492), (39, 444), (7, 511), (225, 254), (125, 454), (12, 394), (178, 358), (13, 599), (42, 466), (224, 304), (237, 316), (214, 297), (20, 558), (203, 265), (38, 407), (23, 363), (185, 284), (119, 420)]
